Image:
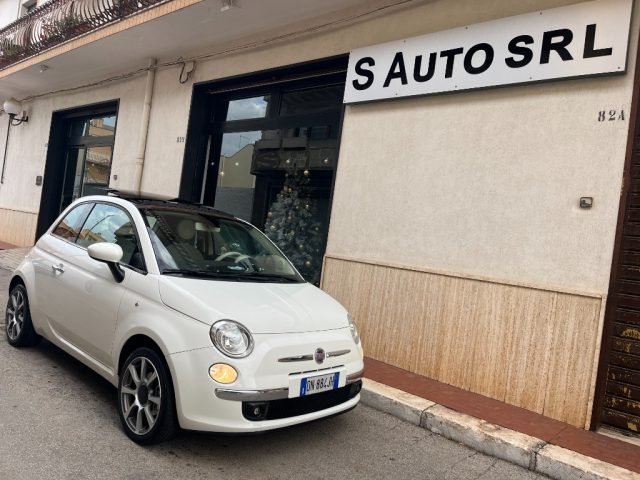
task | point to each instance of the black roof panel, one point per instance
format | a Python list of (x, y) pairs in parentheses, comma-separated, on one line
[(149, 200)]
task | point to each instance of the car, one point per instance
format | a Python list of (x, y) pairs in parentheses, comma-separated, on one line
[(196, 317)]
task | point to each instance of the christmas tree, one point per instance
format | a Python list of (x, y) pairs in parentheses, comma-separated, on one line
[(293, 226)]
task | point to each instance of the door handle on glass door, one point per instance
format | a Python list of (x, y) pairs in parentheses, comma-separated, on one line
[(57, 268)]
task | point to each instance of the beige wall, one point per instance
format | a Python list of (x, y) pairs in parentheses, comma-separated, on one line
[(470, 200), (486, 183), (9, 11)]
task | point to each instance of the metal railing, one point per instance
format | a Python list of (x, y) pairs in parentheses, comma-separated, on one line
[(58, 21)]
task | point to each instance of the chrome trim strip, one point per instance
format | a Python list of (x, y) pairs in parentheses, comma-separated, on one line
[(354, 377), (252, 395), (305, 358), (299, 358), (269, 394), (337, 353)]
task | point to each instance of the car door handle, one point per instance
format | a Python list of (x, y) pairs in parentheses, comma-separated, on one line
[(57, 268)]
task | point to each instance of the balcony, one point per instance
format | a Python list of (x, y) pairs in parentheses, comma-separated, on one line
[(65, 44), (58, 21)]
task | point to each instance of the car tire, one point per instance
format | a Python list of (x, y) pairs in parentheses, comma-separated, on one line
[(146, 403), (18, 325)]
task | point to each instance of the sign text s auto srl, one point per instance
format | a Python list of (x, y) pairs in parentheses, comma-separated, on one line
[(582, 39)]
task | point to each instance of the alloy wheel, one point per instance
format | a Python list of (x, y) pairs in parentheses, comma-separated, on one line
[(140, 395), (15, 314)]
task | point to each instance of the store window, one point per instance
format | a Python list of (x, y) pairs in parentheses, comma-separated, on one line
[(272, 153)]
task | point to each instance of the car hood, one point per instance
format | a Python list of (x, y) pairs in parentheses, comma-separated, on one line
[(261, 307)]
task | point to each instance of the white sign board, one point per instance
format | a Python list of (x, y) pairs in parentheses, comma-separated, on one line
[(582, 39)]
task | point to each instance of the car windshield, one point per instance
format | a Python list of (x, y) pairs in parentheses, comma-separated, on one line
[(193, 243)]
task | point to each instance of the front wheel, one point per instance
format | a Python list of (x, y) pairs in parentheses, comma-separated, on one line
[(18, 326), (146, 402)]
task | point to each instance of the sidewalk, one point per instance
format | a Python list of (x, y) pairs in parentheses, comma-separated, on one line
[(10, 258), (528, 439)]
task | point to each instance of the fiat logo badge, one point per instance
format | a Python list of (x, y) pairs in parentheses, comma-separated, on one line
[(319, 355)]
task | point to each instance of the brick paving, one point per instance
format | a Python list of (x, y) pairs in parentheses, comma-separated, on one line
[(587, 443), (11, 258)]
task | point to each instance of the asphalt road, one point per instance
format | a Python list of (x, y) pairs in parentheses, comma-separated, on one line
[(58, 420)]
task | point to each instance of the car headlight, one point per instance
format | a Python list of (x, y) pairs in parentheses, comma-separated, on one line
[(354, 330), (231, 338)]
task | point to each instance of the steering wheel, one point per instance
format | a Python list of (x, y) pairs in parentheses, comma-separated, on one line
[(238, 256)]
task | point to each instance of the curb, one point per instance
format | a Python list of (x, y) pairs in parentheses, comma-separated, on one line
[(524, 450)]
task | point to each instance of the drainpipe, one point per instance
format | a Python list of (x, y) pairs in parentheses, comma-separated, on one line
[(6, 145), (144, 125)]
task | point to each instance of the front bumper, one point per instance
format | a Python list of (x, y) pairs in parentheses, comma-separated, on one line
[(297, 406), (269, 394), (203, 404)]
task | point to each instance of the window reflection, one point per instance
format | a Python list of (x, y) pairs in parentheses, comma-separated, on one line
[(69, 227), (236, 183), (255, 107), (96, 172), (94, 127), (107, 223)]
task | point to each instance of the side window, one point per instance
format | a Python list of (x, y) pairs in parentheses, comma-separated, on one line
[(108, 223), (69, 226)]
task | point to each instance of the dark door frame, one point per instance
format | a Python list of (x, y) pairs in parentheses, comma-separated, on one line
[(56, 151), (606, 343)]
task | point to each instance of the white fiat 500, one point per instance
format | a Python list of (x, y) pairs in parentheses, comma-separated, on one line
[(197, 318)]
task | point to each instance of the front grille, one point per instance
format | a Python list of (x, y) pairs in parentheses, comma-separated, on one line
[(293, 407)]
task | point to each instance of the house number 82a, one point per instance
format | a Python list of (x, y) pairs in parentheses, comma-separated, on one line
[(610, 115)]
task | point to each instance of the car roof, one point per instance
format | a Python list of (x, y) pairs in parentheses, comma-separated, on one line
[(146, 200)]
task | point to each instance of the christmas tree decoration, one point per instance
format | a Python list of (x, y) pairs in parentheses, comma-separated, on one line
[(293, 224)]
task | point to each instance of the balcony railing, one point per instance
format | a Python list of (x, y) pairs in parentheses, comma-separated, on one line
[(58, 21)]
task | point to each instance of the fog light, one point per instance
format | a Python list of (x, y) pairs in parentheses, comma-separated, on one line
[(255, 410), (223, 373)]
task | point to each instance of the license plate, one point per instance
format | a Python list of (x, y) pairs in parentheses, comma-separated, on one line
[(321, 383)]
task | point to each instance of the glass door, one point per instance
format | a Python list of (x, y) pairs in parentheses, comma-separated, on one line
[(87, 163), (72, 182)]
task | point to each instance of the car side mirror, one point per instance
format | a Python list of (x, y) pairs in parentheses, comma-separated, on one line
[(108, 253)]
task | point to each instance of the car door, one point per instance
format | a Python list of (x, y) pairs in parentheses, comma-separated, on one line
[(47, 305), (92, 297)]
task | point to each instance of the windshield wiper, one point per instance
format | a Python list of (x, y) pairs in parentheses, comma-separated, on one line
[(265, 277), (273, 276), (191, 273)]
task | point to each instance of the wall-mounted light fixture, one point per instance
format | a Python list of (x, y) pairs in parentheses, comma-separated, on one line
[(14, 108)]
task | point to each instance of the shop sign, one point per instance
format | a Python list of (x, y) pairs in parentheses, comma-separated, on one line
[(587, 38)]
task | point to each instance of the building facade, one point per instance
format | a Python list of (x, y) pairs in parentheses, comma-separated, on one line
[(485, 238)]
